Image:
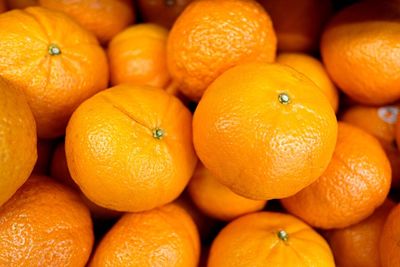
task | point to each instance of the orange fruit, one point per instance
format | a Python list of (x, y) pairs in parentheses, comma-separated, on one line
[(105, 18), (390, 239), (45, 224), (21, 4), (358, 245), (269, 239), (356, 181), (381, 123), (256, 128), (18, 152), (165, 236), (162, 12), (360, 36), (44, 151), (314, 70), (129, 148), (298, 24), (54, 61), (138, 55), (59, 168), (216, 200), (210, 37)]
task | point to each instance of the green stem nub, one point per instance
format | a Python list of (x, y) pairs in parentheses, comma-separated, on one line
[(158, 133), (283, 235), (54, 50), (284, 98)]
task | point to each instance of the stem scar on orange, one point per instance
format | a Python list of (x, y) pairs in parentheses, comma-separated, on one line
[(264, 130)]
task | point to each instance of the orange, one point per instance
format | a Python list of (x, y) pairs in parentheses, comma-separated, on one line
[(138, 55), (54, 61), (59, 168), (314, 70), (105, 18), (129, 148), (381, 123), (356, 182), (298, 24), (363, 35), (162, 12), (358, 245), (210, 37), (13, 4), (269, 239), (18, 152), (264, 130), (44, 151), (165, 236), (390, 239), (45, 224), (59, 171), (218, 201)]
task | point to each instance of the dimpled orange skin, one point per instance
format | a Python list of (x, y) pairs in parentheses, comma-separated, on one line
[(21, 4), (258, 146), (210, 37), (356, 182), (358, 245), (55, 84), (298, 24), (218, 201), (138, 55), (252, 240), (105, 18), (390, 239), (45, 224), (166, 236), (18, 152), (162, 12), (381, 123), (314, 70), (114, 153), (360, 51)]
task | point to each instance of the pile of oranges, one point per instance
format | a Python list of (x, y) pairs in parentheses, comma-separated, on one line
[(215, 133)]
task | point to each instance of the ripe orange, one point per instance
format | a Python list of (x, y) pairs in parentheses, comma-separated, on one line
[(264, 130), (105, 18), (162, 12), (211, 36), (138, 55), (54, 61), (216, 200), (358, 245), (129, 148), (380, 122), (314, 70), (390, 239), (165, 236), (298, 24), (21, 4), (18, 152), (59, 171), (363, 35), (269, 239), (59, 168), (356, 181), (45, 224)]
